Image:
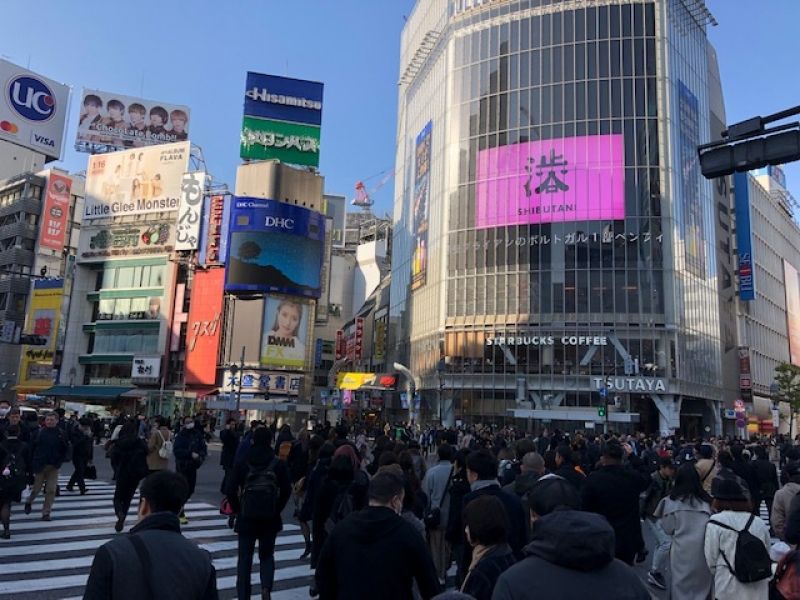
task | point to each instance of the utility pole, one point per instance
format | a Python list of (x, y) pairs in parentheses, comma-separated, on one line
[(234, 368)]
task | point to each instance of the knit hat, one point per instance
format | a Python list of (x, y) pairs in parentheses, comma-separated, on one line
[(727, 488)]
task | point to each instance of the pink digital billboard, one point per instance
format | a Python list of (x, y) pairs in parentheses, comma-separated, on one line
[(551, 181)]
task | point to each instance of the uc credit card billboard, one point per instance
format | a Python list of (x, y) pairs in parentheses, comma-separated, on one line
[(33, 112), (551, 181), (282, 119), (274, 247)]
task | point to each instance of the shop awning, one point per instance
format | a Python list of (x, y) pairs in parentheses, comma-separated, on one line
[(86, 391)]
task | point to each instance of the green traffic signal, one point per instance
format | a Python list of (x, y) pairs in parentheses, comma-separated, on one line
[(601, 411)]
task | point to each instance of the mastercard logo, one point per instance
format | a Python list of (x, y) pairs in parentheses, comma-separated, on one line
[(8, 127)]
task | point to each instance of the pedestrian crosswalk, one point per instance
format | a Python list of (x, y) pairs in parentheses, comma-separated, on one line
[(45, 560)]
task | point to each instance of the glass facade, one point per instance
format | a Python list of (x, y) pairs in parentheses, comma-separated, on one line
[(570, 233)]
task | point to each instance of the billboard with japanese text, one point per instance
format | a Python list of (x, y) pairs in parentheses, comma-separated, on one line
[(421, 206), (214, 230), (549, 181), (204, 326), (275, 247), (187, 236), (36, 362), (134, 182), (55, 213), (285, 332), (111, 121)]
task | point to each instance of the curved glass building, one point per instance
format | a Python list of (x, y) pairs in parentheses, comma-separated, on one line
[(554, 240)]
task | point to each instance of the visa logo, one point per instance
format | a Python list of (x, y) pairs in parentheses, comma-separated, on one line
[(41, 140)]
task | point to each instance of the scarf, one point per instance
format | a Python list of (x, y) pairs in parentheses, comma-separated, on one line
[(478, 552)]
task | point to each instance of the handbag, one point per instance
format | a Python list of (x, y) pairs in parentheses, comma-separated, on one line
[(225, 507), (433, 516), (166, 446), (91, 472)]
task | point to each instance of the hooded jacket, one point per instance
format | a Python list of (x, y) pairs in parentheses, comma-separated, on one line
[(374, 553), (570, 557)]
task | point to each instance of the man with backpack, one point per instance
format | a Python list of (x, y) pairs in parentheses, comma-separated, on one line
[(49, 449), (258, 490)]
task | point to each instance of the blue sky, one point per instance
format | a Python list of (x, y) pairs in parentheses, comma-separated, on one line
[(197, 53)]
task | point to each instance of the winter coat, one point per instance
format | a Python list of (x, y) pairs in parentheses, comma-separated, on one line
[(335, 483), (436, 486), (375, 553), (11, 487), (781, 507), (117, 572), (613, 491), (766, 474), (659, 488), (685, 522), (480, 581), (570, 557), (230, 441), (258, 457), (186, 442), (568, 472), (719, 540), (158, 437), (459, 487), (82, 448), (313, 485), (129, 456), (49, 448)]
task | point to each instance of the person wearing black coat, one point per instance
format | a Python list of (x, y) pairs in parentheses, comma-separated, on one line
[(766, 474), (230, 442), (313, 485), (190, 451), (48, 450), (82, 454), (482, 475), (454, 532), (250, 529), (13, 458), (613, 491), (129, 456), (744, 469), (375, 553), (566, 467)]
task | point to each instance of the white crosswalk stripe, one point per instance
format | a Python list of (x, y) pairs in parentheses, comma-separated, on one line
[(52, 559)]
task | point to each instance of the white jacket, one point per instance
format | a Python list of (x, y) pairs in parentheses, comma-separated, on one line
[(719, 540)]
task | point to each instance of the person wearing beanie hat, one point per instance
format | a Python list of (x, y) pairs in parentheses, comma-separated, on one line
[(732, 506), (783, 499)]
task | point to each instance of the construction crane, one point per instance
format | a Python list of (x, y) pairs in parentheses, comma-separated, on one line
[(363, 197)]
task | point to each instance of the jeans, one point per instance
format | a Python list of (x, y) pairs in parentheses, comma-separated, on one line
[(266, 551), (440, 551), (49, 478), (663, 544)]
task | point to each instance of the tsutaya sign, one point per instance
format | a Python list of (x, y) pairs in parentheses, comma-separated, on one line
[(629, 384), (547, 340)]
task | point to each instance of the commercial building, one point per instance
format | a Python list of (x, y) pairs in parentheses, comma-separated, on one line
[(38, 240), (554, 244)]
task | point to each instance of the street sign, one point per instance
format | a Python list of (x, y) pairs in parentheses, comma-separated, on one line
[(604, 393), (738, 405), (740, 423)]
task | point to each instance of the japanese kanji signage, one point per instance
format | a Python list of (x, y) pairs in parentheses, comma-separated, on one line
[(261, 382), (55, 213), (546, 181), (204, 326), (341, 345), (214, 234), (146, 369), (189, 213)]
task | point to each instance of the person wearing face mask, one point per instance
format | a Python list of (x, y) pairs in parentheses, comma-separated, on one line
[(13, 479), (374, 552), (154, 552), (190, 451), (5, 409), (82, 454), (571, 553)]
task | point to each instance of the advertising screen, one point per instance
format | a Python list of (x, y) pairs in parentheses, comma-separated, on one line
[(33, 112), (275, 247), (204, 327), (36, 363), (285, 332), (791, 283), (421, 205), (55, 212), (135, 182), (551, 181), (115, 121)]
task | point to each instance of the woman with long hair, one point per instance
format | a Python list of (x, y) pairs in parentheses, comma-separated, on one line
[(129, 454), (683, 516)]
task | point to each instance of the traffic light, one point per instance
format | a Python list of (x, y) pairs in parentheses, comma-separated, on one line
[(27, 339), (601, 411)]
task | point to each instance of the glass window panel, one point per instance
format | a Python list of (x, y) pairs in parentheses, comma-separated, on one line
[(106, 309), (602, 22), (109, 278), (591, 60), (613, 21), (638, 20), (125, 277), (580, 61), (603, 59), (546, 30)]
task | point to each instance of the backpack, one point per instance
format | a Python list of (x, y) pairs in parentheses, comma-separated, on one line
[(260, 493), (342, 506), (166, 446), (284, 449), (752, 561)]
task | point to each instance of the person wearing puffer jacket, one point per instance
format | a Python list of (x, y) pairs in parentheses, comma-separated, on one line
[(783, 499)]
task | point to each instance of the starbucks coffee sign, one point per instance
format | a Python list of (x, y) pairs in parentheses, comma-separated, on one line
[(547, 340)]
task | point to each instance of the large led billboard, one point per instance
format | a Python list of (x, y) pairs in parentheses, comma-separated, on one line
[(133, 182), (421, 206), (274, 247), (33, 112), (551, 181), (115, 121)]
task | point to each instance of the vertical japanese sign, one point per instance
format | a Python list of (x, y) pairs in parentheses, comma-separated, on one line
[(791, 284), (36, 362), (56, 212), (421, 206), (340, 350), (214, 233), (204, 327), (693, 223), (744, 237), (358, 347), (745, 376), (189, 213)]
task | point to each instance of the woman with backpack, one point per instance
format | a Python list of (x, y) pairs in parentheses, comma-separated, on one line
[(736, 544), (129, 456), (13, 478), (159, 447), (258, 491)]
